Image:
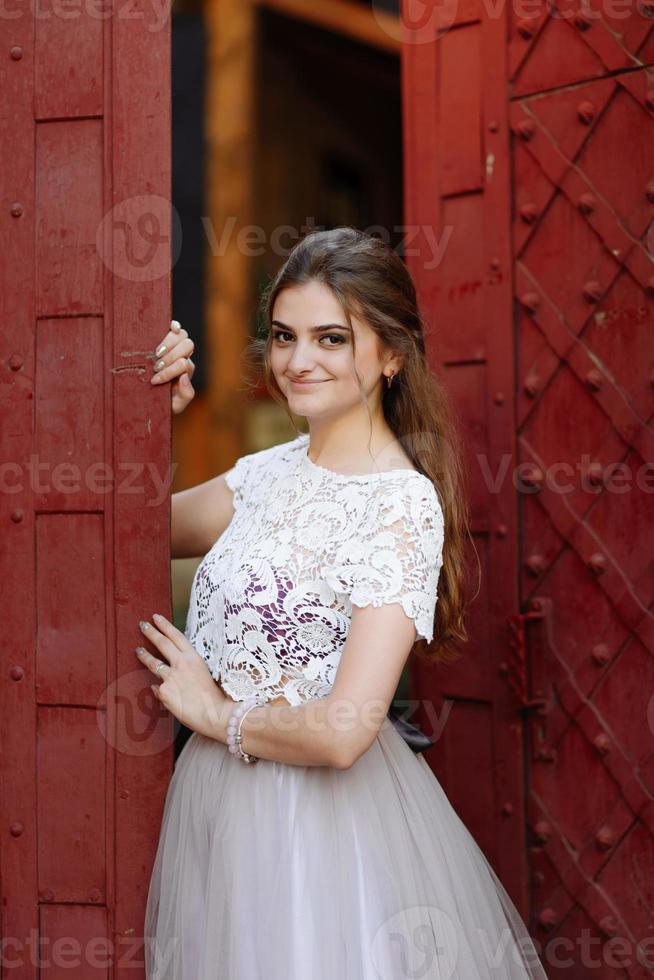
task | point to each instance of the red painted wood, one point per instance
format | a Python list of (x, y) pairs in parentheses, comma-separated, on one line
[(84, 296), (559, 381), (457, 187)]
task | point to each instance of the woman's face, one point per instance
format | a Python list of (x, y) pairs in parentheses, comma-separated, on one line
[(314, 368)]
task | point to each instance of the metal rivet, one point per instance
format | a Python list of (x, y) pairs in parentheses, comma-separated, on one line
[(525, 129), (16, 673), (506, 809), (582, 22), (530, 301), (595, 474), (493, 126), (594, 379), (592, 291), (525, 28), (495, 264), (597, 563), (542, 831), (586, 203), (16, 209), (602, 743), (17, 515), (16, 52), (600, 654), (608, 925), (529, 212), (604, 838), (499, 396), (533, 477), (547, 919), (16, 828), (535, 565), (15, 362), (586, 112), (46, 895), (501, 530), (531, 385)]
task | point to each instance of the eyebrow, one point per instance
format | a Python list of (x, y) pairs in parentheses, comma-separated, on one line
[(323, 326)]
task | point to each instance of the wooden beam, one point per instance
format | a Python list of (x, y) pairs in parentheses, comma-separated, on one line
[(230, 104), (377, 29)]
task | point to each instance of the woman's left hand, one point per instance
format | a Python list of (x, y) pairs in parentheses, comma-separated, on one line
[(187, 688)]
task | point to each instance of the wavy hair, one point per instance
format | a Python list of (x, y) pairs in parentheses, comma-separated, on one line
[(373, 284)]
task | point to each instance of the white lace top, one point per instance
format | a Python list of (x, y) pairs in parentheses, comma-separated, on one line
[(271, 601)]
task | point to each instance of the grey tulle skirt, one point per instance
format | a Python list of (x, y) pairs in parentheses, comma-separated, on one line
[(282, 872)]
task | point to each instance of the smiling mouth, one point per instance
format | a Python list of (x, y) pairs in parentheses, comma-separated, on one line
[(307, 382)]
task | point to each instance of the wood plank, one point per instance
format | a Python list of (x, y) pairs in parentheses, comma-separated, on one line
[(377, 28)]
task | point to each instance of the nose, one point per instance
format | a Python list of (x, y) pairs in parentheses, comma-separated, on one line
[(302, 359)]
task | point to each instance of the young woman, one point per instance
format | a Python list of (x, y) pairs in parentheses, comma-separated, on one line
[(302, 839)]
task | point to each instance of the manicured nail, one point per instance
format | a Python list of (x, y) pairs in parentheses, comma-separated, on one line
[(159, 365), (155, 379), (144, 626), (157, 616), (176, 326), (161, 349)]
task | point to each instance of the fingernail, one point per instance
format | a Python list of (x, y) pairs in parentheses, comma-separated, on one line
[(143, 625), (156, 616), (161, 349), (159, 365), (155, 379), (176, 325)]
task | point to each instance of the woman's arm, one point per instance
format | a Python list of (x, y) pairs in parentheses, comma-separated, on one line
[(338, 728), (199, 516)]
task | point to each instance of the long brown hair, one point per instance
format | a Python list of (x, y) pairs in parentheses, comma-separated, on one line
[(373, 284)]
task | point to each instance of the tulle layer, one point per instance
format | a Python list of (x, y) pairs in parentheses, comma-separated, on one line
[(281, 872)]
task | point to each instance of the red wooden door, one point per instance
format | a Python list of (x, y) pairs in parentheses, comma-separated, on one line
[(84, 508), (530, 154)]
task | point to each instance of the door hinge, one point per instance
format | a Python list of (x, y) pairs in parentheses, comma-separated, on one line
[(515, 668)]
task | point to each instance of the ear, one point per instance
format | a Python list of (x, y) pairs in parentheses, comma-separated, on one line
[(396, 362)]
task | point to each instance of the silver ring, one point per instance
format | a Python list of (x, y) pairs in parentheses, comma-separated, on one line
[(160, 667)]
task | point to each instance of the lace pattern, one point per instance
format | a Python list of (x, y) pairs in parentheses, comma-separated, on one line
[(271, 602)]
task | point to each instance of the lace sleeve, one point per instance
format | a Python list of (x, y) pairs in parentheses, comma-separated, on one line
[(236, 478), (396, 554)]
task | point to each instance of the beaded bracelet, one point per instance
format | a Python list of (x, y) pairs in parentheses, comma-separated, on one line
[(234, 729)]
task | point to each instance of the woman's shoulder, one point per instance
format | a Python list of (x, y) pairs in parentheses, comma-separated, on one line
[(272, 457)]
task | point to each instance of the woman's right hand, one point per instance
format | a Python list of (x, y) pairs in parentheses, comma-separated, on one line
[(173, 363)]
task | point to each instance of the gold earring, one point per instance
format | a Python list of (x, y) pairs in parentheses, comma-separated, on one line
[(389, 380)]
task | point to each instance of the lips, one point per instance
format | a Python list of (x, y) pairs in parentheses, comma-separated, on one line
[(306, 382)]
